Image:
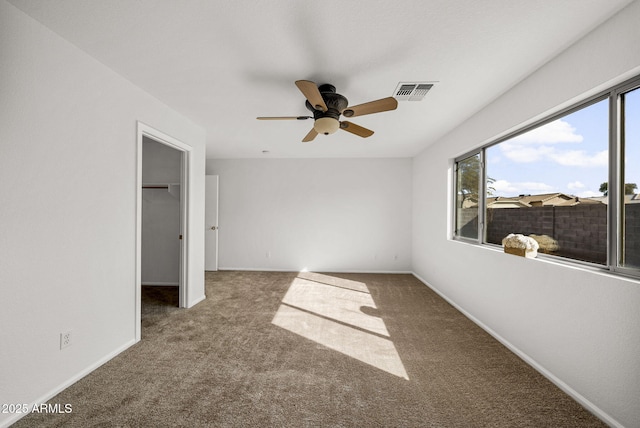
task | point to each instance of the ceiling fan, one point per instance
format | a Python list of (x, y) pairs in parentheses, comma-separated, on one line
[(327, 106)]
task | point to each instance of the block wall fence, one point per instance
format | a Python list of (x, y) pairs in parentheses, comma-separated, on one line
[(580, 230)]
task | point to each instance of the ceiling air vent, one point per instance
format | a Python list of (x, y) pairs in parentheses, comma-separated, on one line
[(411, 91)]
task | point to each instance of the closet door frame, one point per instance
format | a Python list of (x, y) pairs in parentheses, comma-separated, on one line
[(144, 130)]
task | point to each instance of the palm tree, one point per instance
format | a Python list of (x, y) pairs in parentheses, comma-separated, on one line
[(469, 179)]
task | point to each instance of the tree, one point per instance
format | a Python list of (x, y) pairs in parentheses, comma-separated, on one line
[(469, 178), (604, 188), (629, 188)]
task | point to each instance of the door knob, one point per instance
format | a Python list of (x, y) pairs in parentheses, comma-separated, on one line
[(214, 227)]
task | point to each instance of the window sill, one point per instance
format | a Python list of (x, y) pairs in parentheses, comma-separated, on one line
[(620, 273)]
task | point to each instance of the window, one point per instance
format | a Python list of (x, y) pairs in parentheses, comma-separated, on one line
[(560, 182), (467, 193), (547, 182)]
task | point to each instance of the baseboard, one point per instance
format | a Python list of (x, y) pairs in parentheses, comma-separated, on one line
[(606, 418), (49, 395), (405, 272)]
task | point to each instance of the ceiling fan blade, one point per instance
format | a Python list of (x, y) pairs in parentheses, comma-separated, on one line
[(356, 129), (385, 104), (310, 136), (310, 90), (284, 117)]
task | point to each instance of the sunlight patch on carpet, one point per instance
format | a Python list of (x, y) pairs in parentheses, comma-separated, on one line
[(332, 312)]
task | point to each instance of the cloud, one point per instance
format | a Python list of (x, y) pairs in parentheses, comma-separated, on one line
[(580, 158), (554, 132), (529, 154), (524, 154), (506, 188), (540, 144), (589, 194), (503, 187), (585, 193)]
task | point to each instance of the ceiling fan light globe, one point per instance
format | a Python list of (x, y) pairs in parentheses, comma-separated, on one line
[(326, 125)]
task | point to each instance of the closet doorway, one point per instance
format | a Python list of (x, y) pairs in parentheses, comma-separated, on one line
[(160, 270), (162, 217)]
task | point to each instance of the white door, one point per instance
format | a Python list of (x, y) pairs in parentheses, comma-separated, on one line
[(211, 223)]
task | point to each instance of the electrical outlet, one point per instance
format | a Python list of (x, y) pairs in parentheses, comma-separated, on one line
[(65, 339)]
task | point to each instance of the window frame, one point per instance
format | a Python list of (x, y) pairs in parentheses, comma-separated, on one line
[(615, 205), (617, 177), (481, 190)]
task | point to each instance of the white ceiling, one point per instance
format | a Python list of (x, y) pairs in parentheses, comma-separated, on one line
[(223, 63)]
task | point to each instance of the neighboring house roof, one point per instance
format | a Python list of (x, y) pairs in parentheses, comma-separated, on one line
[(502, 202), (628, 199), (632, 199), (601, 199), (542, 200), (470, 201), (545, 199), (579, 201)]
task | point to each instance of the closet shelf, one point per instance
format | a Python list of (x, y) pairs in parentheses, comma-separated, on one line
[(159, 185)]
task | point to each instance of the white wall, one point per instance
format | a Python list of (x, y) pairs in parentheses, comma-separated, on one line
[(318, 214), (161, 165), (68, 213), (580, 327)]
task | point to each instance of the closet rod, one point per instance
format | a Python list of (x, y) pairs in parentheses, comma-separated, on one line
[(155, 187)]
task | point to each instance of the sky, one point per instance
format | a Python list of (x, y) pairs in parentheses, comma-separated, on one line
[(569, 155)]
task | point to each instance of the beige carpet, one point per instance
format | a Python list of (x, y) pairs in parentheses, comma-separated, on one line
[(313, 350)]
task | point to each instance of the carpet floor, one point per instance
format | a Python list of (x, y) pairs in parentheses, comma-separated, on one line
[(282, 349)]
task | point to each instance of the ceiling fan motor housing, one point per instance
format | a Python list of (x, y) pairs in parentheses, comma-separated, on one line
[(335, 103)]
